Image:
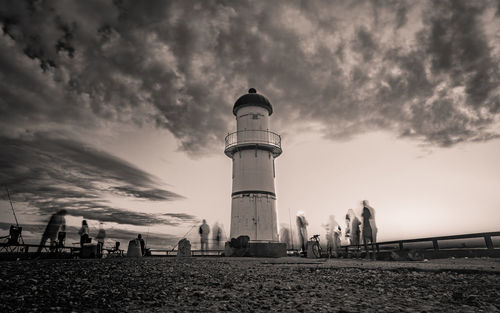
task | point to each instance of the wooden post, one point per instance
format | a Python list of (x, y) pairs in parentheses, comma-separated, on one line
[(489, 242), (400, 245)]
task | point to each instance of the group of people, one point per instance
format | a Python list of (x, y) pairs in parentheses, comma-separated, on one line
[(85, 237), (362, 231), (359, 230), (55, 232), (204, 231)]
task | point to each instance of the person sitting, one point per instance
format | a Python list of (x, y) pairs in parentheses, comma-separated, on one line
[(14, 236)]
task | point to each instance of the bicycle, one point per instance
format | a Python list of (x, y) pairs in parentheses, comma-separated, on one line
[(316, 247)]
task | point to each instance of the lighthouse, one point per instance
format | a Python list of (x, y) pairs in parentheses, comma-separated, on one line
[(253, 149)]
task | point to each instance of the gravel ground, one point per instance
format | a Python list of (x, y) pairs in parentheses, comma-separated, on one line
[(247, 284)]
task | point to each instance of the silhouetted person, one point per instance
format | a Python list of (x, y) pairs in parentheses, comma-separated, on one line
[(217, 233), (56, 222), (142, 244), (333, 237), (369, 228), (329, 242), (330, 230), (285, 237), (336, 241), (354, 230), (348, 227), (84, 233), (204, 230), (302, 230), (101, 235)]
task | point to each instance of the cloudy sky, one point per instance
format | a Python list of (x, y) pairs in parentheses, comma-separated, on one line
[(117, 111)]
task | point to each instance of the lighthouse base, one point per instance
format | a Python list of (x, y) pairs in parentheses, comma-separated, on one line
[(268, 249), (258, 249), (254, 215)]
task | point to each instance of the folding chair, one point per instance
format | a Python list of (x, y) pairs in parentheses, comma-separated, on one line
[(12, 242)]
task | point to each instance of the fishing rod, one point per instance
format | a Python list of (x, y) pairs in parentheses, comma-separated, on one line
[(147, 236), (8, 195), (15, 217), (185, 236)]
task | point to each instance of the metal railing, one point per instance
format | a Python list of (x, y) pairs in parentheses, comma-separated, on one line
[(488, 248), (262, 137)]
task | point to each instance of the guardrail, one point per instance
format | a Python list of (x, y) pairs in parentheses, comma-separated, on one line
[(487, 250), (250, 137), (9, 252)]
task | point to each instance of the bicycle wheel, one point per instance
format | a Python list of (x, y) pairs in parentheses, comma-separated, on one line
[(316, 250)]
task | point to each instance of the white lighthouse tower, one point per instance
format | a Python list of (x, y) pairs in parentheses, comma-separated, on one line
[(253, 149)]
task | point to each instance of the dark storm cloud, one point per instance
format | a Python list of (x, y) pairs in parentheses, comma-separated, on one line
[(150, 194), (53, 173), (103, 213), (365, 44), (456, 43), (401, 14), (182, 216), (424, 70)]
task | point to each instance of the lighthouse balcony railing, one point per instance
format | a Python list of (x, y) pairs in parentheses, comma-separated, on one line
[(263, 138)]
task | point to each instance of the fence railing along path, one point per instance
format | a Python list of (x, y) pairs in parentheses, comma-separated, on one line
[(487, 250)]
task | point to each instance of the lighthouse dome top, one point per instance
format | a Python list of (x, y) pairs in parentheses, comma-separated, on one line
[(252, 98)]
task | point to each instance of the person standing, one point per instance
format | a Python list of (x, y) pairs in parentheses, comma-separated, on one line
[(369, 228), (302, 230), (142, 243), (329, 242), (204, 230), (353, 225), (285, 236), (217, 235), (57, 221), (84, 233), (337, 232), (330, 232), (347, 233), (101, 235)]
